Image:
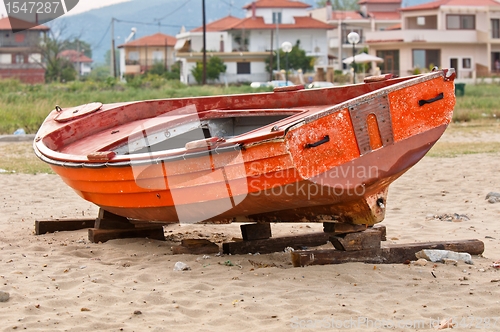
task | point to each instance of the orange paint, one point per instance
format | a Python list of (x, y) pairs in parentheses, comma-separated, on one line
[(373, 132)]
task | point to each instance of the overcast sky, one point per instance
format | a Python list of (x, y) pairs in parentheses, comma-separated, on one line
[(82, 6)]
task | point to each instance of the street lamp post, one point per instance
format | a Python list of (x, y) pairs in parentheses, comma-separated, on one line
[(353, 38), (287, 48)]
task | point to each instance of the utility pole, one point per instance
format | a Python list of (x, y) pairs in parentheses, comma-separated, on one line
[(204, 77), (78, 59), (113, 59), (276, 17)]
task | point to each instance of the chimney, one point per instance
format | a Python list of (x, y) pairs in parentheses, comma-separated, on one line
[(254, 7), (328, 10)]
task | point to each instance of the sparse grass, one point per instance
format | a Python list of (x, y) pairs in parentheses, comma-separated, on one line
[(478, 136), (454, 149), (481, 101), (26, 106), (18, 157)]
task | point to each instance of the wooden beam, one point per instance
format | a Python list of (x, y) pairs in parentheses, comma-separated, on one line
[(59, 225), (259, 231), (342, 227), (367, 239), (103, 235), (390, 254), (275, 244), (108, 220), (406, 252)]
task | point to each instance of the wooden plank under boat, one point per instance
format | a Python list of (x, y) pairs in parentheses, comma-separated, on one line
[(289, 155)]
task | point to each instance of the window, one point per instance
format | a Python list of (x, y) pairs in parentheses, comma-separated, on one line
[(243, 67), (19, 58), (426, 58), (157, 56), (421, 20), (133, 58), (277, 17), (5, 58), (460, 22), (466, 63), (495, 28)]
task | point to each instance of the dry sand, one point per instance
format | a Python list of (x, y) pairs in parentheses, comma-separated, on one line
[(61, 282)]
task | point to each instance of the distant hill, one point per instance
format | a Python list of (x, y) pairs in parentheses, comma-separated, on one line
[(149, 17)]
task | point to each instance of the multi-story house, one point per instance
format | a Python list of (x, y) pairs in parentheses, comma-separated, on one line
[(373, 15), (245, 44), (80, 61), (143, 53), (461, 34), (20, 55)]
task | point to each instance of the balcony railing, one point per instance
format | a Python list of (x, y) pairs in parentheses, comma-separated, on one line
[(429, 36)]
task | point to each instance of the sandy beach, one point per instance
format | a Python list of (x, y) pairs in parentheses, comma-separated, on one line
[(62, 282)]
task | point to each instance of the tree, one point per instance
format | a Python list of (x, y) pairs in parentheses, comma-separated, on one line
[(56, 68), (215, 66), (297, 59), (157, 69), (340, 4)]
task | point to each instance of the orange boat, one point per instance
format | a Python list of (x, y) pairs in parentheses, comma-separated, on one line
[(294, 154)]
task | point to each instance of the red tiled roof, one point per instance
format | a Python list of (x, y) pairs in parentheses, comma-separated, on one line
[(223, 24), (233, 23), (19, 24), (158, 39), (301, 22), (277, 4), (361, 2), (306, 22), (437, 4), (74, 56), (346, 15), (385, 15)]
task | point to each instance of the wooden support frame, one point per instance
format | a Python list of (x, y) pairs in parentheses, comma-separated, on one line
[(267, 246), (352, 243), (259, 231), (109, 226), (389, 254), (60, 225)]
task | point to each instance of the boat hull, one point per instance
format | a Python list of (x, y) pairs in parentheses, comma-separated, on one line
[(334, 164)]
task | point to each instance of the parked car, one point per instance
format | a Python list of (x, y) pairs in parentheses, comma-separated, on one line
[(320, 84), (257, 85)]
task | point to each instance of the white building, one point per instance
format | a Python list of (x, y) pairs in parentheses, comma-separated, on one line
[(245, 44), (460, 34), (81, 62), (374, 15)]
